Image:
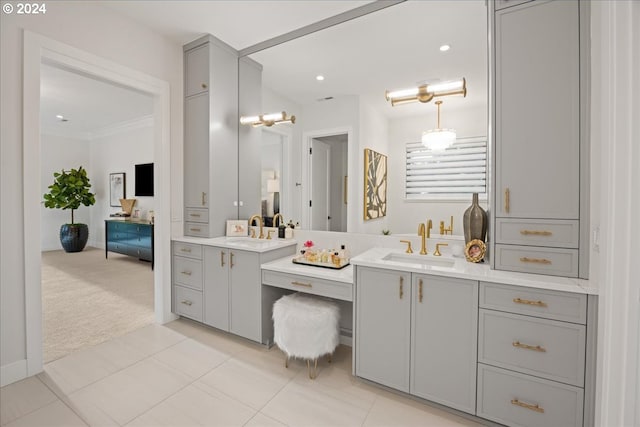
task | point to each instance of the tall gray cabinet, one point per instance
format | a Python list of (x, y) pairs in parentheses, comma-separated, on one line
[(210, 136), (540, 89)]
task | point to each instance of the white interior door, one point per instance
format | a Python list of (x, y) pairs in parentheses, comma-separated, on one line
[(320, 172)]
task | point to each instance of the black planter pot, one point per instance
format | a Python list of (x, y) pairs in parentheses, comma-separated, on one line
[(73, 237)]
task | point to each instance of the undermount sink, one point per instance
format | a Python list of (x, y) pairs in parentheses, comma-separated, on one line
[(420, 259), (248, 242)]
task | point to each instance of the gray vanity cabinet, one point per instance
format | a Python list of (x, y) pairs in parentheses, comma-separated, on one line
[(540, 137), (232, 289), (216, 287), (383, 334), (418, 334), (444, 340), (210, 137)]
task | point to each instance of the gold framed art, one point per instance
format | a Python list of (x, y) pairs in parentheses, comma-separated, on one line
[(375, 185), (475, 250)]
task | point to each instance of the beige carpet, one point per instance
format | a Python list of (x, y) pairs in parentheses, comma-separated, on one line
[(88, 299)]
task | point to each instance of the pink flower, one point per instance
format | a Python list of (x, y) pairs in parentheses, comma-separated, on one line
[(308, 244)]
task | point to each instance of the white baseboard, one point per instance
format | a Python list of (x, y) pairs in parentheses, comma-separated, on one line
[(13, 372)]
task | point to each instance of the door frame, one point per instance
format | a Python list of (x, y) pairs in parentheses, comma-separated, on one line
[(305, 173), (36, 49)]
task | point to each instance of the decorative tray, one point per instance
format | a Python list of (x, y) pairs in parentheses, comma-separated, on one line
[(303, 261)]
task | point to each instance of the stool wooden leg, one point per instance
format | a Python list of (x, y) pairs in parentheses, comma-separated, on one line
[(286, 361), (314, 374), (329, 357)]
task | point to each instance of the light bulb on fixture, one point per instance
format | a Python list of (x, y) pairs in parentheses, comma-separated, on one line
[(426, 92), (438, 139), (267, 119)]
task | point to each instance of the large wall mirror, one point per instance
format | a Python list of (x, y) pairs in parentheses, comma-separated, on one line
[(312, 171)]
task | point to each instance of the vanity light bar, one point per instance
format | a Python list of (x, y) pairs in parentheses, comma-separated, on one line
[(426, 92), (267, 119)]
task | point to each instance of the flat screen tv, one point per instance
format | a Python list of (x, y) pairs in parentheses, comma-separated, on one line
[(144, 179)]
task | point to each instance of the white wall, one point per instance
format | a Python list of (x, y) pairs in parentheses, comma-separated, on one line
[(99, 31), (57, 153), (404, 216), (119, 151)]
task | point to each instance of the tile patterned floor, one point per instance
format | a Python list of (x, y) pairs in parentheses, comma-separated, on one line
[(185, 374)]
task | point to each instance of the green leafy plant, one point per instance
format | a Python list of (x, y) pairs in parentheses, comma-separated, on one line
[(69, 190)]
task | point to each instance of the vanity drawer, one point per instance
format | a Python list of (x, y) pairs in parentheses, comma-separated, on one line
[(196, 215), (566, 306), (187, 272), (548, 233), (510, 398), (310, 285), (544, 348), (188, 250), (531, 259), (196, 229), (188, 303)]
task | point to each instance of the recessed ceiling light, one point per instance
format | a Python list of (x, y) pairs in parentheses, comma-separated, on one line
[(61, 118), (319, 77), (444, 48)]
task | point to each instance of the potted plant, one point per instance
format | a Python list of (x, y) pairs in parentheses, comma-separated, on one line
[(68, 191)]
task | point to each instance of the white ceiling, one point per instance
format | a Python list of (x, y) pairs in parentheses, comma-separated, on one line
[(389, 49)]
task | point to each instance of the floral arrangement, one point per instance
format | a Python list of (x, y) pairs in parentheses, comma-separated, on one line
[(308, 244)]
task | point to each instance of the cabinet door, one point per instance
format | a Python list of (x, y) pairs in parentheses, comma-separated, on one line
[(444, 340), (382, 326), (196, 70), (537, 81), (196, 151), (245, 294), (216, 287)]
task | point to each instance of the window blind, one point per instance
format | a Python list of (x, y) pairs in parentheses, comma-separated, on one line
[(456, 172)]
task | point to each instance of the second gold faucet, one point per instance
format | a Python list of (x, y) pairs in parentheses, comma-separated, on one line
[(425, 233)]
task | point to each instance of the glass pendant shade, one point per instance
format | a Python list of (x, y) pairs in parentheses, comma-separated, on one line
[(438, 139)]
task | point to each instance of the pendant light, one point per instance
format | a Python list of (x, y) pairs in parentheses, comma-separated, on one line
[(438, 139)]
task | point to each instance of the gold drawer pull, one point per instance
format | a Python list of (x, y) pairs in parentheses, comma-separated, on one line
[(186, 302), (222, 258), (536, 408), (401, 286), (188, 250), (186, 273), (529, 302), (420, 291), (529, 347), (195, 215), (535, 233), (507, 204), (535, 260), (195, 229), (231, 264), (203, 195), (306, 285)]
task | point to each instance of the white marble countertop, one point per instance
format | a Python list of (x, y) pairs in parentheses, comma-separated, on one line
[(241, 243), (285, 265), (462, 269)]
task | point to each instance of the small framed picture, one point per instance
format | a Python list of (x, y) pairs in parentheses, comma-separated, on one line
[(117, 188), (475, 250), (237, 227)]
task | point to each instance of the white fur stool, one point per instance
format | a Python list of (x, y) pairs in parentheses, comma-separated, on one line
[(306, 327)]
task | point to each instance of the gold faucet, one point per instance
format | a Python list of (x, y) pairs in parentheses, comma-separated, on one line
[(275, 219), (429, 227), (408, 242), (448, 230), (422, 234), (259, 218)]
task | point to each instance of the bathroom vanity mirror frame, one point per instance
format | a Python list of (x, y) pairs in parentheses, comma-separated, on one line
[(297, 195)]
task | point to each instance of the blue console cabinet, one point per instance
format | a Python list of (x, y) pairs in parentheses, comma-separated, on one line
[(133, 238)]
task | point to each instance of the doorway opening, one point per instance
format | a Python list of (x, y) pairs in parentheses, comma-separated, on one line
[(39, 49), (88, 298), (328, 182)]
